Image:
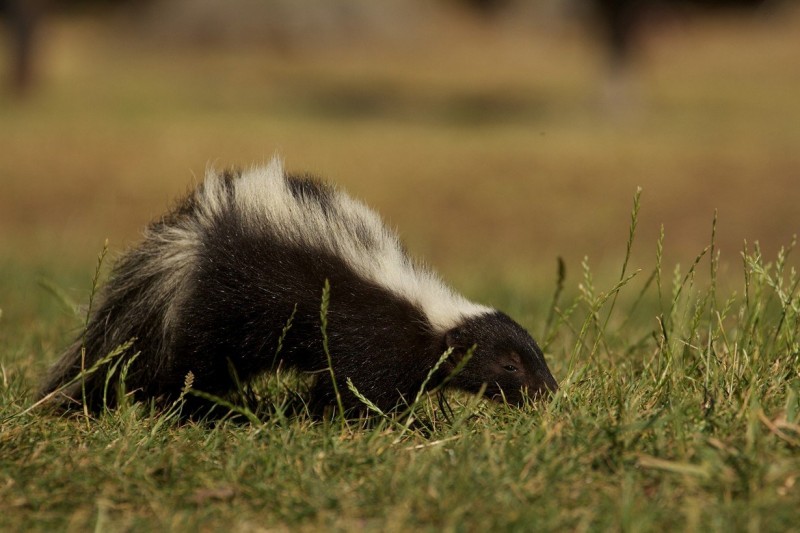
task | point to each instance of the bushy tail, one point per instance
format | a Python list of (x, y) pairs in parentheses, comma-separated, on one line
[(63, 384), (131, 319), (129, 333), (80, 377)]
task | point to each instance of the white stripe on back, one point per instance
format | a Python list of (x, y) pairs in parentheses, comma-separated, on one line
[(263, 196)]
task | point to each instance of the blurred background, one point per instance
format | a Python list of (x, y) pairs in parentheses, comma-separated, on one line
[(495, 135)]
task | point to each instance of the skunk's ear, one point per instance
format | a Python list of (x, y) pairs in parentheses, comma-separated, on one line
[(451, 342), (454, 338)]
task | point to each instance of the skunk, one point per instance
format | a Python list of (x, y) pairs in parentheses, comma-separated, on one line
[(216, 281)]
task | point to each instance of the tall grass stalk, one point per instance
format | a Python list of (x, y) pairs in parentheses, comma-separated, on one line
[(95, 285), (323, 317)]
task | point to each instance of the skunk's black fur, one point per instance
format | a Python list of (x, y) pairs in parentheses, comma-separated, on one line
[(215, 281)]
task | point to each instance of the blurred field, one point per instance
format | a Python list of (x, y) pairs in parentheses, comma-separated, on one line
[(490, 150)]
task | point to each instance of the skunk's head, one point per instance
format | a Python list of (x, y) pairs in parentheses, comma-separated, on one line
[(506, 359)]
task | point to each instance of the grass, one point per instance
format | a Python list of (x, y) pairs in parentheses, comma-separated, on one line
[(679, 409)]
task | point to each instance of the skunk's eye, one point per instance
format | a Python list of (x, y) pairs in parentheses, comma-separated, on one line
[(510, 368)]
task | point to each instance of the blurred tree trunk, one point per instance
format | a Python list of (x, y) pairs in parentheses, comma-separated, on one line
[(22, 20)]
